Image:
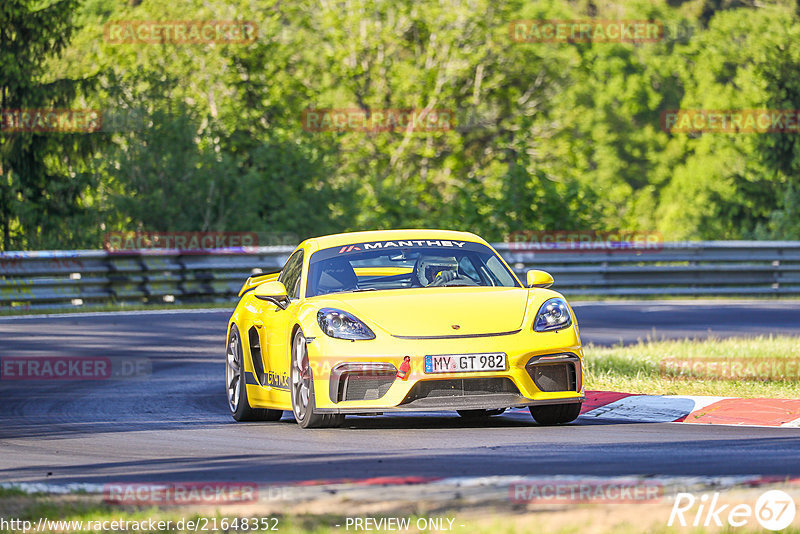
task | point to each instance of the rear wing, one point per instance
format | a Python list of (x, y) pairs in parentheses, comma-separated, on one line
[(254, 281)]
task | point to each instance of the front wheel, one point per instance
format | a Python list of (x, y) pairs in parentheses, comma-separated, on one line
[(556, 414), (303, 403)]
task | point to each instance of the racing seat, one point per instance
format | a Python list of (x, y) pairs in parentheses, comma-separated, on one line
[(337, 275)]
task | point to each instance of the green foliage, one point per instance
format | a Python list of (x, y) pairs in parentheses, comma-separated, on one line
[(43, 177), (555, 136)]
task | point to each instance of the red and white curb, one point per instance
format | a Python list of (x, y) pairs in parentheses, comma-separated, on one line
[(616, 406)]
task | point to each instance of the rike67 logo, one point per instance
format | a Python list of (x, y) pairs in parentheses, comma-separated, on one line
[(774, 510)]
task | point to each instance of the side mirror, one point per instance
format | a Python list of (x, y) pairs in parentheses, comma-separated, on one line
[(274, 292), (536, 278)]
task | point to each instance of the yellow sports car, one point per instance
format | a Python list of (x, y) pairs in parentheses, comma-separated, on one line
[(401, 320)]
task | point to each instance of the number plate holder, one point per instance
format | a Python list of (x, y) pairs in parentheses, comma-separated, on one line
[(466, 363)]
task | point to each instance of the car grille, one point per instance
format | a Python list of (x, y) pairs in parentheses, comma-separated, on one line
[(460, 387)]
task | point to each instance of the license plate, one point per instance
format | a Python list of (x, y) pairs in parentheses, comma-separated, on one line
[(465, 363)]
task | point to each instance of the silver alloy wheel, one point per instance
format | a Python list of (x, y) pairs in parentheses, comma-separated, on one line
[(233, 373), (301, 377)]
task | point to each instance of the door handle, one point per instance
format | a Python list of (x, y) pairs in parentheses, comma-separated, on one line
[(258, 323)]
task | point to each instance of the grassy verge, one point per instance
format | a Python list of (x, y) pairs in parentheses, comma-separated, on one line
[(763, 366), (458, 518)]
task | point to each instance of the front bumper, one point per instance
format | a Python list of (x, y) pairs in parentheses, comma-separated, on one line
[(353, 377)]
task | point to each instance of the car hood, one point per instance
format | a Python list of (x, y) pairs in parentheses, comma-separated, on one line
[(435, 312)]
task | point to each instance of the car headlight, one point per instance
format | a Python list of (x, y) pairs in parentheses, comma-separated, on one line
[(553, 315), (342, 325)]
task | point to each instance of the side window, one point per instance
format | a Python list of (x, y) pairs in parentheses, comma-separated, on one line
[(500, 272), (468, 269), (290, 275)]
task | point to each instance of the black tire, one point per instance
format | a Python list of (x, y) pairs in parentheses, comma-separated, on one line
[(479, 414), (235, 378), (302, 389), (556, 414)]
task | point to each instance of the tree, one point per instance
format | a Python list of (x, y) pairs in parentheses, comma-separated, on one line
[(736, 185), (43, 175)]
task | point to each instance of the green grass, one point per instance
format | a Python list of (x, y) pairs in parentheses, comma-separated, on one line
[(487, 521), (11, 492), (639, 368)]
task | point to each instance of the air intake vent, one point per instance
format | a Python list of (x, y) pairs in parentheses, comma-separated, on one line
[(353, 381), (553, 377), (255, 352), (365, 387), (555, 373)]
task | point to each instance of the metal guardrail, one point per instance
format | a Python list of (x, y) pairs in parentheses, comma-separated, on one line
[(54, 279), (691, 268)]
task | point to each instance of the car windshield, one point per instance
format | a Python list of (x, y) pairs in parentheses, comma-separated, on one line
[(405, 264)]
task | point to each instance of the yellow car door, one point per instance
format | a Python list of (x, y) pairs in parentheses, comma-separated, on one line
[(276, 332)]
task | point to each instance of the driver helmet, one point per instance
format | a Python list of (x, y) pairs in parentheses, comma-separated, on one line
[(428, 267)]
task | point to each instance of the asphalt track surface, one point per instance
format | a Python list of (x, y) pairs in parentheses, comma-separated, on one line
[(173, 425)]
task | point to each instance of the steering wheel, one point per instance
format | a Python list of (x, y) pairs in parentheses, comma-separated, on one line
[(451, 278)]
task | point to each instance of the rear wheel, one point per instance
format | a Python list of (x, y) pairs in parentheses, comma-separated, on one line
[(303, 404), (235, 384), (480, 414), (556, 414)]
